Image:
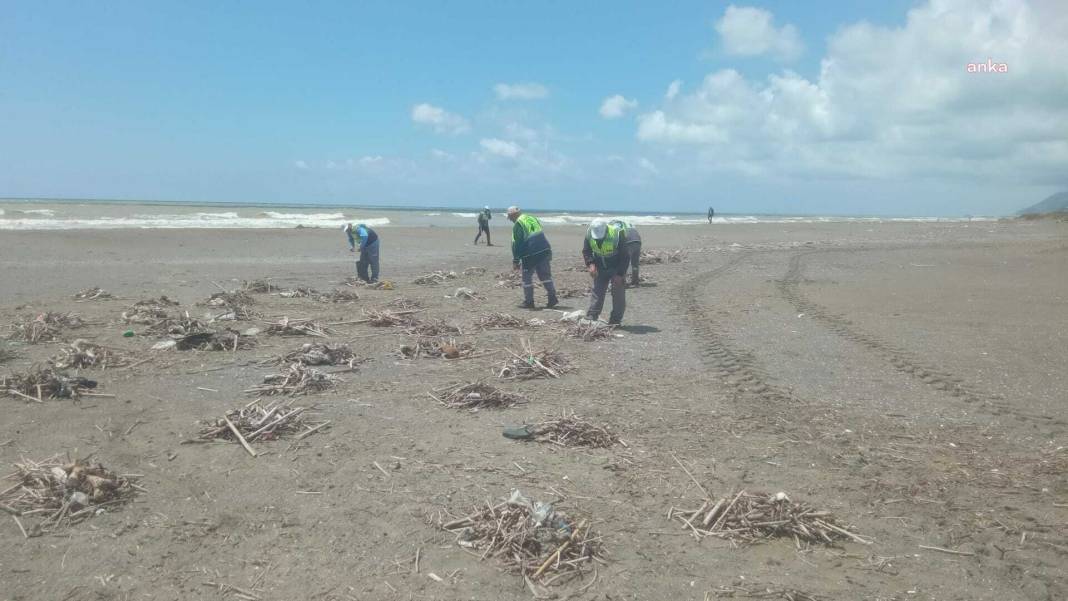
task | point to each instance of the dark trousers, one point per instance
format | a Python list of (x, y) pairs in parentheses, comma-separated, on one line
[(543, 267), (634, 249), (600, 287), (483, 228), (368, 260)]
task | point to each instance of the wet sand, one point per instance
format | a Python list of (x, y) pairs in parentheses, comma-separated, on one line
[(908, 378)]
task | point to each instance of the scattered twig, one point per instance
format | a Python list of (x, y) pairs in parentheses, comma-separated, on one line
[(475, 396)]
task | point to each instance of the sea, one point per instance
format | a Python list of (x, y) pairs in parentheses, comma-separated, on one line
[(52, 214)]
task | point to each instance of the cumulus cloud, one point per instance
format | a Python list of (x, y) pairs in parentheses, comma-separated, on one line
[(749, 31), (895, 102), (520, 91), (616, 106), (438, 118), (501, 148), (673, 89), (300, 164)]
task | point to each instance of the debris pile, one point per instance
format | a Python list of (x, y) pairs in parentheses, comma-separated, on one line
[(570, 430), (475, 271), (260, 286), (45, 327), (338, 295), (751, 518), (501, 321), (475, 396), (589, 330), (222, 340), (92, 294), (297, 327), (509, 279), (435, 277), (296, 379), (321, 354), (530, 538), (256, 421), (43, 384), (432, 328), (63, 492), (148, 311), (389, 319), (530, 364), (652, 257), (84, 354), (436, 347), (404, 304), (467, 294), (355, 282), (299, 293), (237, 303)]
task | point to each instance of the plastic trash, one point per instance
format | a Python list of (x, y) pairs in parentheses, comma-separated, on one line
[(128, 334)]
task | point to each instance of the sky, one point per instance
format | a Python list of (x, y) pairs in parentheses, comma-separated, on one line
[(819, 107)]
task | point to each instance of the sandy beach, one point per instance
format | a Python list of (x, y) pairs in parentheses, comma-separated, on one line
[(909, 378)]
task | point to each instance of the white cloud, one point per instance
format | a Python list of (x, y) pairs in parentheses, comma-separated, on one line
[(616, 106), (520, 91), (648, 165), (501, 148), (749, 31), (894, 102), (300, 164), (441, 120), (673, 89)]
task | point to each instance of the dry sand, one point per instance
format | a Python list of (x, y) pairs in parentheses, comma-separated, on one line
[(909, 378)]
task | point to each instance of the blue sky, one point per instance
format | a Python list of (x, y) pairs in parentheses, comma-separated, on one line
[(821, 107)]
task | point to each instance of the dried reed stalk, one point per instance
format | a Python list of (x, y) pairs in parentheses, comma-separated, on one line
[(475, 396)]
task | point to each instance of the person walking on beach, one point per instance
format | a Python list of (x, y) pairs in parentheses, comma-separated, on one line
[(633, 247), (368, 250), (711, 214), (532, 253), (604, 251), (483, 225)]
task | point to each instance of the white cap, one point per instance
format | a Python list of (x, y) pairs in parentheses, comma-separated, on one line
[(598, 229), (512, 210), (486, 207)]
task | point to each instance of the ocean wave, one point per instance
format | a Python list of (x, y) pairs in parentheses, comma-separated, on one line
[(465, 215), (300, 216)]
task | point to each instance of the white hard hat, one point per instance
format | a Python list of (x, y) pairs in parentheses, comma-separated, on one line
[(598, 229), (512, 210)]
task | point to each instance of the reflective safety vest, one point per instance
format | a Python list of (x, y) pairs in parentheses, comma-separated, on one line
[(607, 247), (530, 224)]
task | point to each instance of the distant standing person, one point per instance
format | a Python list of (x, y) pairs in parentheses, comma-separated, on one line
[(532, 253), (633, 248), (368, 250), (483, 225), (711, 214), (604, 251)]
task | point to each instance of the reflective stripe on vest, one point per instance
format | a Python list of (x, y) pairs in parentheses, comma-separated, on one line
[(608, 246)]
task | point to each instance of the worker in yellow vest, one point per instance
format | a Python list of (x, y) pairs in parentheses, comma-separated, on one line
[(605, 252), (532, 253)]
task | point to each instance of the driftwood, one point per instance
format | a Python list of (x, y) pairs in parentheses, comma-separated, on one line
[(298, 327), (296, 379), (432, 328), (260, 286), (532, 539), (388, 319), (236, 302), (589, 330), (41, 384), (751, 518), (570, 430), (474, 271), (60, 492), (319, 354), (45, 327), (435, 277), (653, 257), (85, 354), (256, 421), (222, 340), (476, 396), (436, 347), (92, 294), (529, 364)]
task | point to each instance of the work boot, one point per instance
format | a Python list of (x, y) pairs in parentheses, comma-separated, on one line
[(526, 306), (553, 301)]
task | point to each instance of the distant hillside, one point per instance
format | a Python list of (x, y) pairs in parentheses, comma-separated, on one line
[(1054, 204)]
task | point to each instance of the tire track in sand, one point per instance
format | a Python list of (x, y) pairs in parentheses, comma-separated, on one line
[(901, 359), (735, 367)]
